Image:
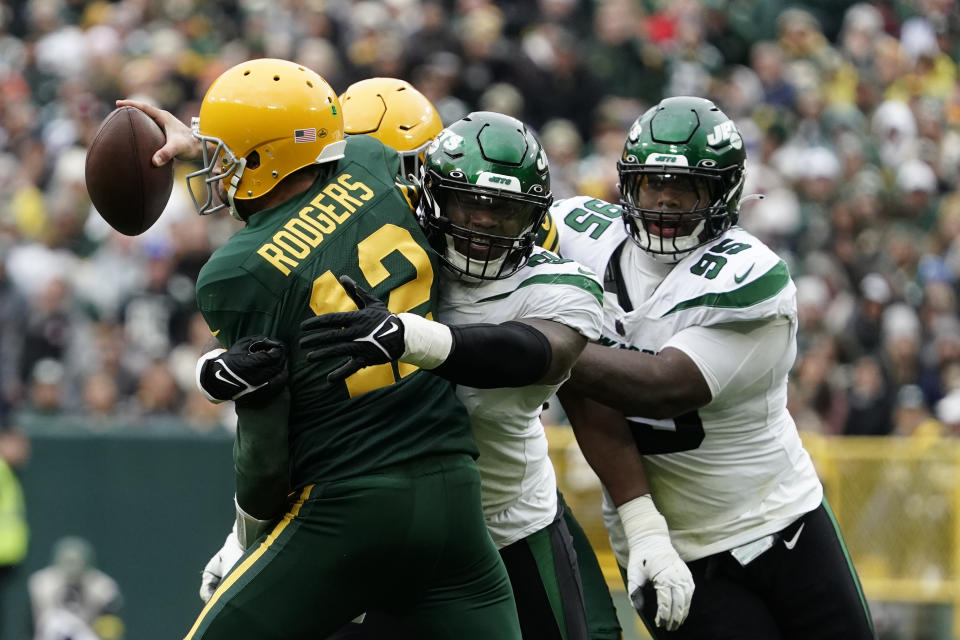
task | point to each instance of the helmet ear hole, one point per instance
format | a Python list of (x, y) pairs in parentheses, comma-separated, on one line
[(253, 160)]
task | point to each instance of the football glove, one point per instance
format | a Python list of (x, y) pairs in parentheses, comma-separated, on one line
[(251, 371), (371, 335), (652, 557), (220, 564)]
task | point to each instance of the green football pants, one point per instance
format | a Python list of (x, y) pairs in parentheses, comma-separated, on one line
[(602, 618), (410, 540)]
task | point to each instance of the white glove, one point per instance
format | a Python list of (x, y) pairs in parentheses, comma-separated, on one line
[(220, 564), (652, 557)]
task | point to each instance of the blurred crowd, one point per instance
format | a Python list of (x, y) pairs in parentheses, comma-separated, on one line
[(850, 112)]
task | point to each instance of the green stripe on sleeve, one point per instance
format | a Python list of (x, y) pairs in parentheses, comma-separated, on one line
[(763, 288), (589, 285)]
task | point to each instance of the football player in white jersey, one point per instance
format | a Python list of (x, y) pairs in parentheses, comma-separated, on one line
[(681, 406)]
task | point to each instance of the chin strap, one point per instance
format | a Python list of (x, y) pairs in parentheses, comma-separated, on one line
[(234, 183)]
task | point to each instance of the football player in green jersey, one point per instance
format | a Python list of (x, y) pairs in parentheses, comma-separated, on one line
[(353, 495)]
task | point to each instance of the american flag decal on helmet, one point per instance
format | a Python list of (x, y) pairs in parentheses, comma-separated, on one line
[(305, 135)]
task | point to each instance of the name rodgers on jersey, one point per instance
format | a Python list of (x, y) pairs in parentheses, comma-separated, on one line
[(300, 235)]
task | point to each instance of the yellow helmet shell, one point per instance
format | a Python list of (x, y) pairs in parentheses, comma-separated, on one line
[(281, 110), (391, 111)]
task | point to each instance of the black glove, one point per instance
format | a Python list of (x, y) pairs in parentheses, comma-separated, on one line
[(372, 335), (252, 371)]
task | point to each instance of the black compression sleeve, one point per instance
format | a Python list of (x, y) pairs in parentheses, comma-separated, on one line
[(489, 356)]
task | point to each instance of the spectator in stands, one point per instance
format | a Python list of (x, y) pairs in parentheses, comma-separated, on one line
[(13, 316), (870, 400), (73, 599), (947, 412), (865, 328), (101, 401), (14, 530), (158, 395), (912, 416), (47, 391)]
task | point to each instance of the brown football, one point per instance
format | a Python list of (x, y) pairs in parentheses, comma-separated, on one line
[(124, 186)]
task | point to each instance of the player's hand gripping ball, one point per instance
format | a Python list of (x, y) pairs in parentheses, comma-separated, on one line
[(124, 186)]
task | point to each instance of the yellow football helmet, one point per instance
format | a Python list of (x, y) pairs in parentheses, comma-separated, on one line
[(394, 113), (263, 120)]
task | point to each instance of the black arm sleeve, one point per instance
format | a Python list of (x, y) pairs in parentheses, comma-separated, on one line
[(490, 356)]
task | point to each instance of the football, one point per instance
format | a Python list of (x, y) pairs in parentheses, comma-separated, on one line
[(124, 186)]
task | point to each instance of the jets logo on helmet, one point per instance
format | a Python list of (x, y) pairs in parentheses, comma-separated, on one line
[(542, 163), (452, 142), (725, 132), (681, 176), (667, 158)]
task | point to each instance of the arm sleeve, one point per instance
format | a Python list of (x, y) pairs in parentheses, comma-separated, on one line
[(488, 356), (261, 457), (733, 357)]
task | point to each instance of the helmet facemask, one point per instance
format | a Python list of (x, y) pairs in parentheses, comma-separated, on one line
[(670, 211), (481, 234), (412, 161), (219, 164)]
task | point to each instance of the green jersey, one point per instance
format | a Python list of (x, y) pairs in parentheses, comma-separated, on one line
[(355, 220)]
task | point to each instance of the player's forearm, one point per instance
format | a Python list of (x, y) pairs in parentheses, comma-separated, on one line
[(261, 456), (485, 356), (640, 384), (607, 443)]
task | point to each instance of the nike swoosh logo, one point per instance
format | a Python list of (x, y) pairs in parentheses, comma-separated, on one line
[(393, 327), (218, 374), (792, 542), (743, 276)]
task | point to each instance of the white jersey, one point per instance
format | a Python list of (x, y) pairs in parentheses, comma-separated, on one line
[(519, 487), (735, 470)]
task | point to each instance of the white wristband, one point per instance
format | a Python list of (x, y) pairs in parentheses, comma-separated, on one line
[(209, 355), (640, 519), (427, 343)]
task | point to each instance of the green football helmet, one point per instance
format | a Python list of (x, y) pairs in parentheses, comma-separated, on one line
[(681, 176), (486, 191)]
